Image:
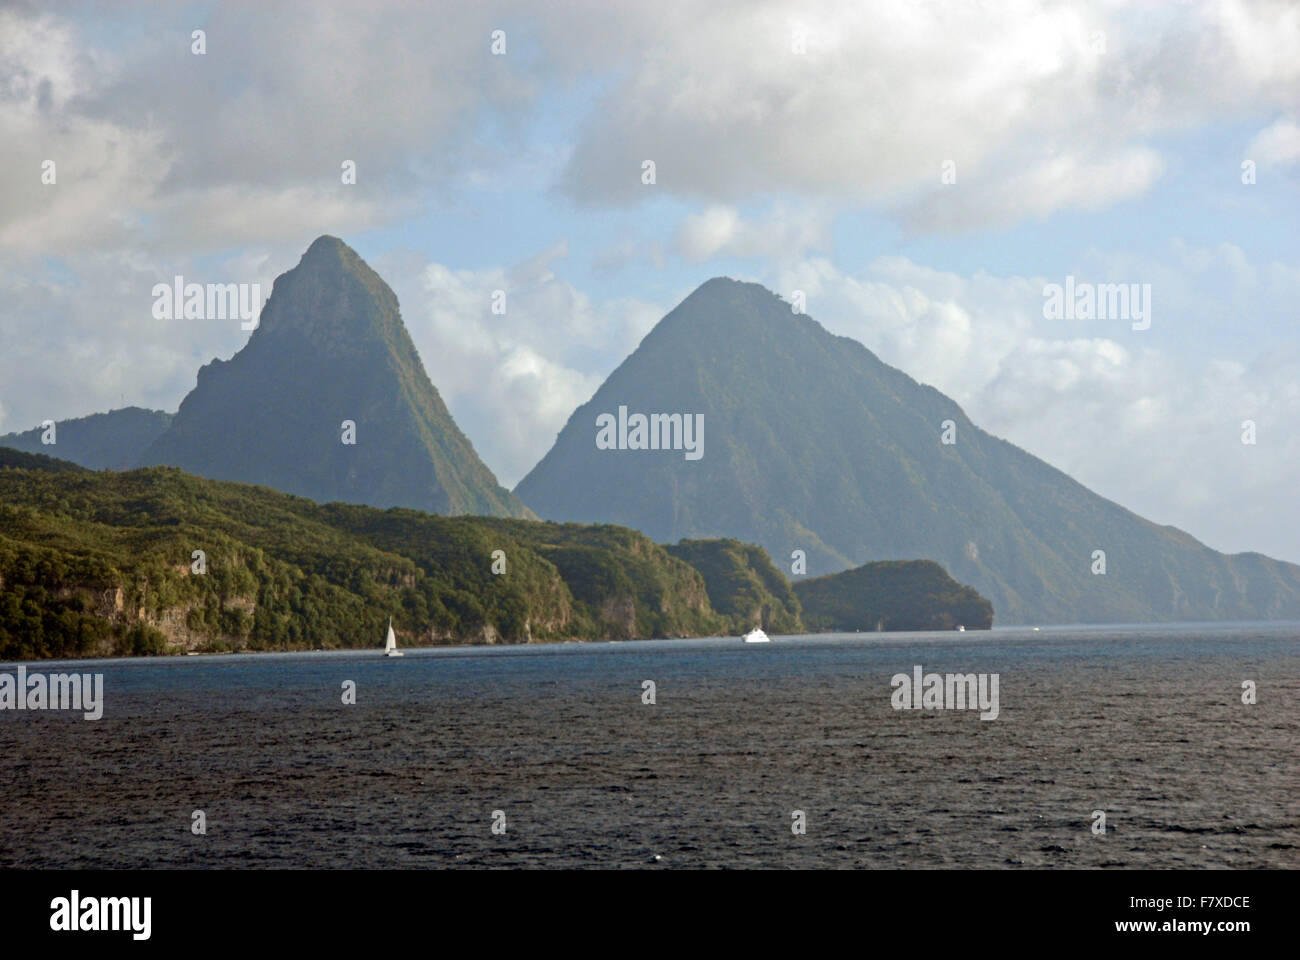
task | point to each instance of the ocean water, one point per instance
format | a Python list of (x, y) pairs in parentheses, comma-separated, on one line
[(1143, 722)]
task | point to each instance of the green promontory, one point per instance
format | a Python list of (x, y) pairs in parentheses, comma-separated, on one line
[(891, 595), (743, 583)]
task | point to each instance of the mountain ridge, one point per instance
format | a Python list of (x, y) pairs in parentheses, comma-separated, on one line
[(112, 440)]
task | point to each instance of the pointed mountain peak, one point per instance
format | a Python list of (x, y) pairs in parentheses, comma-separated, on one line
[(717, 317), (333, 299), (329, 400), (808, 444), (725, 307), (328, 253)]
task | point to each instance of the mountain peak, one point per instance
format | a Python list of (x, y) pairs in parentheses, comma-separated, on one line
[(730, 290), (327, 252), (329, 400), (718, 309), (718, 283), (326, 243), (742, 298), (333, 299), (810, 445)]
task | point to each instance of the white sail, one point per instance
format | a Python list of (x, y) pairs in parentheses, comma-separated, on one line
[(390, 645)]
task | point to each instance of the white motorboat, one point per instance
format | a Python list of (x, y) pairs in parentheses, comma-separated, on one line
[(757, 636)]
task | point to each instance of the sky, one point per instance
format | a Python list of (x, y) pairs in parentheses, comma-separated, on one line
[(922, 173)]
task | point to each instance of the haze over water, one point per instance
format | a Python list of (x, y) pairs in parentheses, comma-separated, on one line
[(1145, 722)]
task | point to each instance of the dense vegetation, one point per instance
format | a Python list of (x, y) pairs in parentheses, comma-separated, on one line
[(892, 595), (99, 564), (812, 443), (743, 584), (103, 563)]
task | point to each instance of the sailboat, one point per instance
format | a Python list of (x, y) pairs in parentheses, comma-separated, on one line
[(390, 645), (757, 636)]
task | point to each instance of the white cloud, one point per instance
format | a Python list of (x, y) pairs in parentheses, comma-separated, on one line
[(255, 130), (1277, 145), (511, 381), (1015, 95), (246, 143), (80, 336), (1037, 190), (720, 230), (101, 172)]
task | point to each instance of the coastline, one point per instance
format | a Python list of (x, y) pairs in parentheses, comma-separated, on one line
[(1045, 632)]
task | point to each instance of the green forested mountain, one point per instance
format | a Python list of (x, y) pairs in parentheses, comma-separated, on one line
[(98, 564), (743, 584), (892, 595), (812, 443), (331, 347), (104, 563), (102, 441)]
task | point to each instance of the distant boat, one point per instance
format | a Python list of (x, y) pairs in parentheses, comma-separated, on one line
[(757, 636), (1035, 629), (960, 628), (390, 646)]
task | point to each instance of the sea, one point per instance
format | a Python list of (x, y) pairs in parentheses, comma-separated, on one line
[(1113, 747)]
